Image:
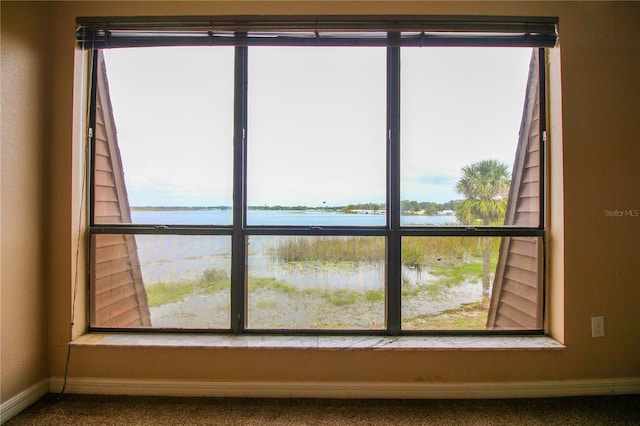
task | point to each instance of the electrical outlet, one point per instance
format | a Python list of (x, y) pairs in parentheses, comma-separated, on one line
[(597, 326)]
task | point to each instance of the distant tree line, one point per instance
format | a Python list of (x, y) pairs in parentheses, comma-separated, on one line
[(363, 206), (293, 208), (427, 208)]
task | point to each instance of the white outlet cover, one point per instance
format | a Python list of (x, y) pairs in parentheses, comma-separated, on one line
[(597, 326)]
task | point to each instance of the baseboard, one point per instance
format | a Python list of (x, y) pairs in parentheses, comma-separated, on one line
[(539, 389), (348, 389), (23, 400)]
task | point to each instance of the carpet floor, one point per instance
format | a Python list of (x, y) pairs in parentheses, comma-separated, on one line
[(141, 410)]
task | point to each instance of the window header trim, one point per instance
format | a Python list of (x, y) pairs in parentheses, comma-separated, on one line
[(108, 32)]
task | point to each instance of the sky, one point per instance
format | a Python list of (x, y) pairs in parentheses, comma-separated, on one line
[(317, 122)]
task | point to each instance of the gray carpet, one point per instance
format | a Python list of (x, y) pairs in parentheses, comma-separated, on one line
[(123, 410)]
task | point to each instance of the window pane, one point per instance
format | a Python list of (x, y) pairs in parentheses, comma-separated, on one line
[(466, 159), (316, 135), (161, 281), (166, 144), (471, 283), (308, 282)]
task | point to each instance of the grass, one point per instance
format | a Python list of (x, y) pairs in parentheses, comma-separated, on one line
[(272, 284), (267, 304), (449, 261), (162, 293), (212, 281), (432, 252), (417, 252), (467, 317), (337, 297), (450, 276), (433, 290), (470, 316), (341, 297), (374, 296), (330, 249)]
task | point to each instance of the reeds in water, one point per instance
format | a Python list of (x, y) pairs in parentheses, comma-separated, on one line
[(417, 252)]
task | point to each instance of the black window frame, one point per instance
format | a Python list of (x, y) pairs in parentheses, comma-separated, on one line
[(391, 32)]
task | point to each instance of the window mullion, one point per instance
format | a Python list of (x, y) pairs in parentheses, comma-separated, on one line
[(92, 132), (394, 257), (238, 248), (542, 94)]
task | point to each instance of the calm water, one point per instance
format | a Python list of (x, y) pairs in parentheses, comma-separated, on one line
[(184, 258), (172, 258), (265, 217)]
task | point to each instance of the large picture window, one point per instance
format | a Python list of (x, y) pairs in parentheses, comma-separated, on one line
[(330, 176)]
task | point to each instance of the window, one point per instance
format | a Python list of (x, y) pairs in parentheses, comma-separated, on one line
[(338, 175)]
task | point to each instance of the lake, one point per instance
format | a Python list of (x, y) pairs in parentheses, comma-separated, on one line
[(184, 258), (279, 217), (174, 258)]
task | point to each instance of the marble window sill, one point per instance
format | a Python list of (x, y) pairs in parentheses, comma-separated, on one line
[(439, 343)]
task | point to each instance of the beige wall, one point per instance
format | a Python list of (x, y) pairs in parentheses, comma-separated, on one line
[(24, 125), (594, 266)]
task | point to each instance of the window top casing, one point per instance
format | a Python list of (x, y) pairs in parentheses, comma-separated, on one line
[(108, 32)]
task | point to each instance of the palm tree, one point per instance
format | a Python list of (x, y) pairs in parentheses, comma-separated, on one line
[(485, 186)]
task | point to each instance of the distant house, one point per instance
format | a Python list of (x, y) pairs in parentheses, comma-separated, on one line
[(361, 211), (517, 298)]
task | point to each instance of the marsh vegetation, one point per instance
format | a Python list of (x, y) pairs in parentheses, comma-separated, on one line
[(433, 269)]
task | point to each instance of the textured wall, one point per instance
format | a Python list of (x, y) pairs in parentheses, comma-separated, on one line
[(24, 127)]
